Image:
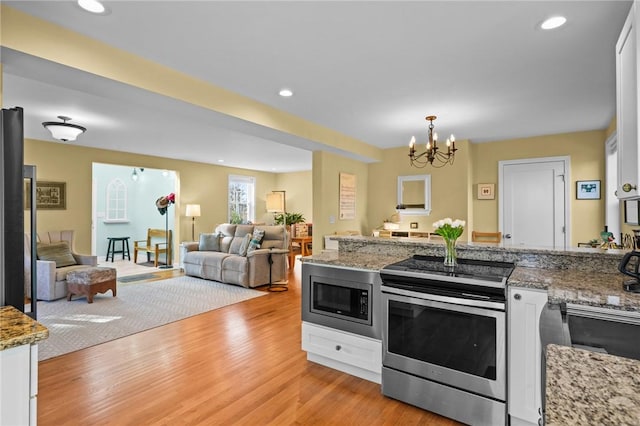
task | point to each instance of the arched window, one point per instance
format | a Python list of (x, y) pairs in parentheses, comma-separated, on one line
[(116, 201)]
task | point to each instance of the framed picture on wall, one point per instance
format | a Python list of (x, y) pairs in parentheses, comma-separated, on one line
[(486, 191), (49, 195), (588, 190), (632, 212)]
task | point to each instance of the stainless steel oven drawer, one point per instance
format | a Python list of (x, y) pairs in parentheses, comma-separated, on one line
[(450, 402)]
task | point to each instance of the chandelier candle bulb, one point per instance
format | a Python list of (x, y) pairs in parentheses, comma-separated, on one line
[(432, 153)]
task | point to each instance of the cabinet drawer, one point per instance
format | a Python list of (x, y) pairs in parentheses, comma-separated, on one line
[(341, 346)]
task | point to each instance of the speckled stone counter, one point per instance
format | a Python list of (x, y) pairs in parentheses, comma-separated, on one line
[(18, 329), (589, 388), (602, 289), (583, 276), (357, 260), (585, 259)]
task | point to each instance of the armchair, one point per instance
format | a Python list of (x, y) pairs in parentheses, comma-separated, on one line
[(52, 279)]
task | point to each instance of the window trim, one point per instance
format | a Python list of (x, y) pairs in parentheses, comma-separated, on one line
[(121, 199)]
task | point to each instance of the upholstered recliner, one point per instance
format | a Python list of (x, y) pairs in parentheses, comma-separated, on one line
[(52, 279)]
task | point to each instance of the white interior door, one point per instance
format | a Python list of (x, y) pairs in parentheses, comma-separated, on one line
[(534, 202)]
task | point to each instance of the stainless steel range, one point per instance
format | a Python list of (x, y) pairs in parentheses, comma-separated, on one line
[(443, 335)]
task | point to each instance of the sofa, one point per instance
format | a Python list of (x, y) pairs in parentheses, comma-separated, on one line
[(227, 257), (56, 258)]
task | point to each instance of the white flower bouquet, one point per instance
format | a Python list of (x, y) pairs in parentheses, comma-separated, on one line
[(449, 229)]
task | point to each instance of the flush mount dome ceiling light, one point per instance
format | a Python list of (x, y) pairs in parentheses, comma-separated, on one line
[(62, 130), (553, 22), (285, 93)]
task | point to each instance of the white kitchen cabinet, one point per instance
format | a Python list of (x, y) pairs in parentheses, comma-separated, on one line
[(524, 374), (627, 107), (19, 385), (350, 353)]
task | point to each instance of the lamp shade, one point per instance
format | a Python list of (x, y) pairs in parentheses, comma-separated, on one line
[(193, 210), (275, 201), (62, 130)]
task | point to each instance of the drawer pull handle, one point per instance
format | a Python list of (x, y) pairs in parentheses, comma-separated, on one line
[(338, 347)]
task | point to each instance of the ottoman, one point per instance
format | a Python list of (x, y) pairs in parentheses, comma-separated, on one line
[(90, 281)]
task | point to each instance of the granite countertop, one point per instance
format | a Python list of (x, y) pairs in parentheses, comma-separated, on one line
[(603, 289), (358, 260), (585, 387), (17, 329)]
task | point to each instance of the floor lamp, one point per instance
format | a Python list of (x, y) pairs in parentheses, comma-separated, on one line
[(276, 203), (193, 210)]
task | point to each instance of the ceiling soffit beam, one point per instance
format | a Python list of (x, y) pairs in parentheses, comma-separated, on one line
[(27, 34)]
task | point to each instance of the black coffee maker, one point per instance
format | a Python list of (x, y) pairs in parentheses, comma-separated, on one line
[(630, 266)]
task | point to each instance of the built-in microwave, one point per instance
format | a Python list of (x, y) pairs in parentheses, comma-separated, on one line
[(342, 298)]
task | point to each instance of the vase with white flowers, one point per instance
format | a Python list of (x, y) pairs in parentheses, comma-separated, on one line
[(450, 230)]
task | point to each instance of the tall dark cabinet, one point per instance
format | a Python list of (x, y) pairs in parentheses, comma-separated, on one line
[(12, 209)]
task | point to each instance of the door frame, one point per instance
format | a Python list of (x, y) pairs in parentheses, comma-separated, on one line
[(567, 190)]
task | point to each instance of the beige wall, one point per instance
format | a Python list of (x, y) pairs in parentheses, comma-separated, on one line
[(199, 183), (299, 192), (326, 170), (454, 188), (586, 150), (449, 188)]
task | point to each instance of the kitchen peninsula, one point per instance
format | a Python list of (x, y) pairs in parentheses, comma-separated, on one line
[(581, 276)]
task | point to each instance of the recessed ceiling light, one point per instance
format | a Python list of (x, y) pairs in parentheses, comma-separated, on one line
[(220, 161), (285, 93), (93, 6), (553, 22)]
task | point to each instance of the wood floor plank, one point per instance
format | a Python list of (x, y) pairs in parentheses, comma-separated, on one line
[(241, 364)]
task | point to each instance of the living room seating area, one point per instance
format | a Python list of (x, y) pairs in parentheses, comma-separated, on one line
[(245, 255)]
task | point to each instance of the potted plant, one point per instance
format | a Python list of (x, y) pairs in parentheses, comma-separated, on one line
[(288, 218)]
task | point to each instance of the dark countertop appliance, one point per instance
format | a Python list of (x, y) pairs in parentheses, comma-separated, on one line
[(444, 337), (630, 266)]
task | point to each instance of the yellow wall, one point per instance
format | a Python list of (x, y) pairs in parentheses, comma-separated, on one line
[(326, 171), (449, 188), (299, 192), (586, 150), (199, 183)]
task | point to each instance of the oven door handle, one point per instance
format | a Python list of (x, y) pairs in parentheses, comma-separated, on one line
[(479, 303)]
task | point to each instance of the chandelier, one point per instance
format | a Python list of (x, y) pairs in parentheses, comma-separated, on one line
[(433, 152)]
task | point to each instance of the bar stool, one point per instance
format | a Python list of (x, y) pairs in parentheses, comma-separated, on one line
[(111, 250)]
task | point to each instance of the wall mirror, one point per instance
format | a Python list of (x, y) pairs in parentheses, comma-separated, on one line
[(414, 195)]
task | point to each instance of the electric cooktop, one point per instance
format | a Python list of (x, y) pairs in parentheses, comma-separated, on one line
[(477, 272)]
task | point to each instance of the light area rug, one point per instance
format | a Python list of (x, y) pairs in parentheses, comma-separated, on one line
[(76, 324)]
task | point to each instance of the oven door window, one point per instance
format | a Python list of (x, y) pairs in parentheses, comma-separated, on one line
[(341, 301), (448, 338)]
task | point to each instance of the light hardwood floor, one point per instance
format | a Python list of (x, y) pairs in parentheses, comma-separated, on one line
[(241, 364)]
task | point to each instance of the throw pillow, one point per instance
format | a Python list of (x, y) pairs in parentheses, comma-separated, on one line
[(256, 239), (209, 242), (245, 245), (56, 252)]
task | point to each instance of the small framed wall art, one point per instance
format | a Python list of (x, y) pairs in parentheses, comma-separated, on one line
[(588, 190), (49, 195), (486, 191)]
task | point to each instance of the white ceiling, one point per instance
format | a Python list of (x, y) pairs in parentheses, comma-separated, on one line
[(369, 69)]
